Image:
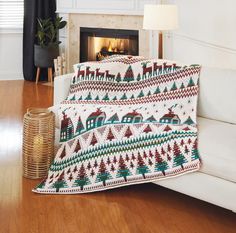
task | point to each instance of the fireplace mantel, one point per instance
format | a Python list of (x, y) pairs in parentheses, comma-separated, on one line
[(117, 7)]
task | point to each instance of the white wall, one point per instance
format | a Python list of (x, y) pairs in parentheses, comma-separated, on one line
[(206, 35), (11, 55)]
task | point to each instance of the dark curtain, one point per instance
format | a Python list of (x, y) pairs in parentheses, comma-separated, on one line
[(34, 9)]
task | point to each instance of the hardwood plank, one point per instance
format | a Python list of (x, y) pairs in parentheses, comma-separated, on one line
[(138, 209)]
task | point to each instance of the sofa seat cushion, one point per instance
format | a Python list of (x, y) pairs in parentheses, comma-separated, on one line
[(217, 141)]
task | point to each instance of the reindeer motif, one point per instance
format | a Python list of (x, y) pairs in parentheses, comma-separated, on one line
[(146, 70), (99, 75), (89, 73), (109, 77), (80, 73), (175, 67), (157, 69), (167, 68)]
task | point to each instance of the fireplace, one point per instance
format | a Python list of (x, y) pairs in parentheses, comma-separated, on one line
[(98, 43)]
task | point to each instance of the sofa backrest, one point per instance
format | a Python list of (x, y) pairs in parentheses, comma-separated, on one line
[(217, 98)]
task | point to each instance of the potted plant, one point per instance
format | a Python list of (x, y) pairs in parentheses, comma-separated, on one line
[(47, 47)]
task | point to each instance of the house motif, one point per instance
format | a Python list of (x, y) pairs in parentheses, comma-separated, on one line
[(132, 117), (67, 128), (95, 119), (170, 118)]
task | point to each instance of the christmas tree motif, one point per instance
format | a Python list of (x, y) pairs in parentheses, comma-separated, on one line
[(182, 86), (60, 183), (163, 151), (150, 163), (123, 171), (127, 158), (182, 142), (132, 96), (114, 160), (115, 98), (149, 93), (118, 77), (189, 121), (77, 147), (81, 97), (151, 119), (191, 82), (73, 98), (94, 140), (106, 97), (114, 118), (108, 161), (80, 126), (75, 169), (95, 164), (139, 77), (128, 132), (129, 75), (133, 157), (103, 174), (63, 153), (112, 168), (141, 166), (110, 135), (68, 171), (167, 128), (131, 165), (82, 178), (140, 94), (195, 154), (165, 90), (161, 165), (124, 97), (89, 97), (186, 128), (97, 98), (92, 173), (174, 87), (150, 154), (179, 159), (89, 166), (169, 148), (186, 150), (70, 177), (145, 155), (189, 141), (147, 129), (157, 91)]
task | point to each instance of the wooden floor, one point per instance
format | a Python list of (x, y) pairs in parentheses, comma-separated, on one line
[(142, 208)]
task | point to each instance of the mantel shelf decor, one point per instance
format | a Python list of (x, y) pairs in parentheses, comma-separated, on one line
[(38, 142)]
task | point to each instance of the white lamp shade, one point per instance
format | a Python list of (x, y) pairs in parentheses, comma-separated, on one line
[(160, 17)]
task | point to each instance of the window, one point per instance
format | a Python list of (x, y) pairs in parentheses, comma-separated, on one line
[(11, 14)]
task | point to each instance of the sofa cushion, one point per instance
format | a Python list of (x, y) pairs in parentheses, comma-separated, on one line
[(217, 94), (217, 141)]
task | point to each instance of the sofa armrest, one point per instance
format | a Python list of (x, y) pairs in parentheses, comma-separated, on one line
[(61, 87)]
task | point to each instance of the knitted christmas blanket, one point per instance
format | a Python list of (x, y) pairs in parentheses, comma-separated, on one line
[(126, 120)]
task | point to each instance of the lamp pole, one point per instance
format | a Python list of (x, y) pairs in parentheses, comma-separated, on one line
[(160, 45)]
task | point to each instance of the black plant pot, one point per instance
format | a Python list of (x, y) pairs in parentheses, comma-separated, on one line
[(43, 56)]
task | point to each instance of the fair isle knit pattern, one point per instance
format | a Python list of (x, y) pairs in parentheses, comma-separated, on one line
[(126, 120)]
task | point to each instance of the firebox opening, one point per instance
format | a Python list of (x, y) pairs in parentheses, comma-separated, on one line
[(98, 43)]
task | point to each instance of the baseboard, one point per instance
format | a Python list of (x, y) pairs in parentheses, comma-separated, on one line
[(11, 76)]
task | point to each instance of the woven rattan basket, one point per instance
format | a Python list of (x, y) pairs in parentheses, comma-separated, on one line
[(38, 142)]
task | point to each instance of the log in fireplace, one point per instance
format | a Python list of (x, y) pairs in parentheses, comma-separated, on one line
[(98, 43)]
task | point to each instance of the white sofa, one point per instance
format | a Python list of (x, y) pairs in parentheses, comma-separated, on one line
[(216, 181)]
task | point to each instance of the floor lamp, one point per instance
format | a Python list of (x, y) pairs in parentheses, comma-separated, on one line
[(160, 18)]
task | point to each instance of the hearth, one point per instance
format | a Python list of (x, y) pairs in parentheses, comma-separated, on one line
[(98, 43)]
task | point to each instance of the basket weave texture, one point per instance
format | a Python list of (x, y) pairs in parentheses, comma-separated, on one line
[(38, 142)]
